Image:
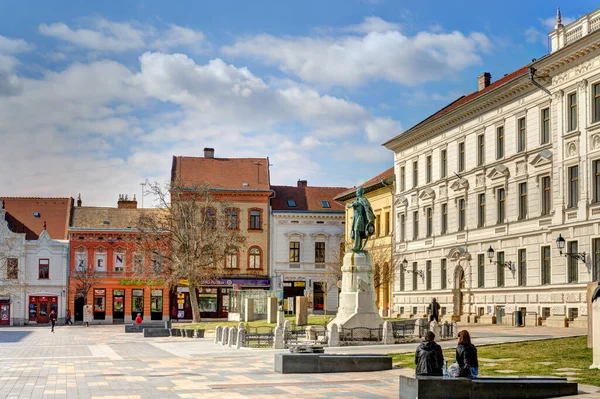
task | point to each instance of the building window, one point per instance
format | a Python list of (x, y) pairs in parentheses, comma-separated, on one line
[(522, 200), (461, 214), (387, 224), (596, 262), (291, 203), (501, 194), (81, 260), (500, 268), (444, 223), (545, 128), (572, 266), (138, 263), (428, 274), (500, 142), (429, 222), (443, 163), (255, 258), (377, 229), (44, 269), (461, 156), (210, 218), (233, 222), (480, 149), (481, 210), (572, 116), (522, 256), (255, 219), (443, 271), (546, 195), (294, 251), (546, 265), (100, 261), (12, 268), (596, 102), (157, 263), (480, 270), (402, 272), (596, 180), (415, 225), (573, 186), (521, 135), (325, 204), (231, 258), (402, 178), (414, 276), (415, 174), (402, 228), (119, 262), (319, 252), (428, 170)]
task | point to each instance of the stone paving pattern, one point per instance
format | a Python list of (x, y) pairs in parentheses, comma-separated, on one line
[(104, 362)]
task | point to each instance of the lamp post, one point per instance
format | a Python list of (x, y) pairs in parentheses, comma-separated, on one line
[(417, 272), (560, 244), (509, 265)]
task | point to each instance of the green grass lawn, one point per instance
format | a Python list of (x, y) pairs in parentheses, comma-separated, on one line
[(211, 325), (526, 358)]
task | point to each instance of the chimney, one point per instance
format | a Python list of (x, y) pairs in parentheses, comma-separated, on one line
[(79, 200), (302, 183), (125, 203), (209, 152), (483, 81)]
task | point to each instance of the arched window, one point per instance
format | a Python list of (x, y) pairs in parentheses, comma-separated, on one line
[(254, 258)]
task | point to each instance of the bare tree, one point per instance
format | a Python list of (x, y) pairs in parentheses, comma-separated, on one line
[(190, 236), (86, 278)]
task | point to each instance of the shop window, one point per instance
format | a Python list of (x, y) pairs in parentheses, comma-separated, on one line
[(255, 219), (207, 300), (156, 304), (255, 258), (44, 269), (12, 268), (99, 304), (137, 303)]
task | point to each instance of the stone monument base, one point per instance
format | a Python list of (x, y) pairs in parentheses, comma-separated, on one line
[(557, 321)]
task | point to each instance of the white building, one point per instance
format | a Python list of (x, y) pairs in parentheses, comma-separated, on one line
[(33, 266), (510, 167), (307, 230)]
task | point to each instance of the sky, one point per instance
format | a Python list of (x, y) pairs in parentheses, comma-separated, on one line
[(97, 97)]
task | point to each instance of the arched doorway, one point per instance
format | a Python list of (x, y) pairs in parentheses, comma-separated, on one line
[(460, 257)]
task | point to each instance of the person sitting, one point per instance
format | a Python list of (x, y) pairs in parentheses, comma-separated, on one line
[(429, 358), (466, 356), (138, 319)]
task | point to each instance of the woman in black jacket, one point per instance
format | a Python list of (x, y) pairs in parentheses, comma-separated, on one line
[(429, 358), (466, 356)]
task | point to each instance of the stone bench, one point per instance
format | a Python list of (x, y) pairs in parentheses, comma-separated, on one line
[(287, 363), (426, 387), (139, 328), (156, 332)]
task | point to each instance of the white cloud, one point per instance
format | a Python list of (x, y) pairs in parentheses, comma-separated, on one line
[(372, 24), (550, 22), (354, 60), (100, 34), (13, 46), (535, 35)]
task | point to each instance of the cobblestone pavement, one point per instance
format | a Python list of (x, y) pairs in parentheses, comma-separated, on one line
[(104, 362)]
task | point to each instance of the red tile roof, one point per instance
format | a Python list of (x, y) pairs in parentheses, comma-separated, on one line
[(56, 212), (389, 173), (306, 198), (465, 99), (224, 173)]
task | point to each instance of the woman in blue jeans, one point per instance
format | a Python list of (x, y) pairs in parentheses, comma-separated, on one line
[(466, 356)]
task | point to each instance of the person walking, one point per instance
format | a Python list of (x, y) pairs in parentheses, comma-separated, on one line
[(68, 319), (174, 313), (466, 356), (434, 309), (52, 319), (428, 357)]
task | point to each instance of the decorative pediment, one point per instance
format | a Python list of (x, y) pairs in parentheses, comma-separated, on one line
[(498, 172), (458, 253), (460, 184), (401, 201), (44, 239), (294, 234), (543, 158), (427, 194), (320, 234)]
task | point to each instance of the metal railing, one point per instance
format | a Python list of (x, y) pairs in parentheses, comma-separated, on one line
[(360, 335), (258, 337)]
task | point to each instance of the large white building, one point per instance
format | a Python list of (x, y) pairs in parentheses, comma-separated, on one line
[(511, 167), (307, 231)]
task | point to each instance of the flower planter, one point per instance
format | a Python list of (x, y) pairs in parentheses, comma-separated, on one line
[(199, 333), (189, 333), (176, 332)]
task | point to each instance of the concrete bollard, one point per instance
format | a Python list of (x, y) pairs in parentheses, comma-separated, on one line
[(434, 327), (225, 336), (278, 338), (301, 310), (334, 335), (280, 318), (217, 334), (241, 338), (248, 309), (417, 332), (454, 330), (272, 310), (388, 333), (241, 326), (231, 339)]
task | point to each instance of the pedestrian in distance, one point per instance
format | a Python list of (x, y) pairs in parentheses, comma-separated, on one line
[(428, 357), (434, 310), (138, 319), (174, 313), (466, 356), (52, 319), (68, 319)]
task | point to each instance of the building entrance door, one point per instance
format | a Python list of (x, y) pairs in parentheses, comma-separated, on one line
[(79, 302), (4, 313), (118, 306), (318, 296)]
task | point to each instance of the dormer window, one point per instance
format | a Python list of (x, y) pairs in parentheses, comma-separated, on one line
[(325, 204), (291, 203), (36, 214), (105, 222)]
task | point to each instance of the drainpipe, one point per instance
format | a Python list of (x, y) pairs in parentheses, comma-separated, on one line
[(532, 71), (392, 245)]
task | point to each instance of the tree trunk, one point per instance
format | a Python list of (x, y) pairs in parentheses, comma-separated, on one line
[(194, 302)]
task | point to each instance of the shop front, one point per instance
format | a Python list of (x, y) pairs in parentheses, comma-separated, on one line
[(292, 289), (41, 306), (4, 311)]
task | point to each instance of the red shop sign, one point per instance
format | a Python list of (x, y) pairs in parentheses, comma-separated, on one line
[(33, 299), (44, 299), (53, 299)]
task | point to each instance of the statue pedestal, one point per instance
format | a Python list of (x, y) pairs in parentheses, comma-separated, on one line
[(357, 306), (596, 334)]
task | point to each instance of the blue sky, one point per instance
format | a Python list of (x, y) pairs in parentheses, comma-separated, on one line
[(96, 97)]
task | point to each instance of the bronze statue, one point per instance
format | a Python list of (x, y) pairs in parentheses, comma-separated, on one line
[(363, 223)]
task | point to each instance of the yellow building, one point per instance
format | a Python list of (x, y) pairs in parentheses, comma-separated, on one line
[(379, 191)]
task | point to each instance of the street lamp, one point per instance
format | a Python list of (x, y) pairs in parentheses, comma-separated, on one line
[(509, 265), (560, 244), (417, 272)]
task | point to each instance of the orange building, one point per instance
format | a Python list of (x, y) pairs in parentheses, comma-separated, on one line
[(103, 248)]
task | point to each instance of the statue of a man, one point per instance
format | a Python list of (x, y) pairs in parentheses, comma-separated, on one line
[(363, 223)]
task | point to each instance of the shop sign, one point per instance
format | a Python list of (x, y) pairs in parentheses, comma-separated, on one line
[(44, 299), (157, 293), (4, 299), (100, 292), (299, 283), (242, 282), (141, 282), (53, 299), (33, 299)]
